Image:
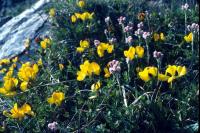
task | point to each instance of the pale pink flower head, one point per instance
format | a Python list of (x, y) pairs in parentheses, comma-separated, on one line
[(140, 25), (185, 7), (129, 39), (193, 27), (158, 55), (53, 126), (107, 19), (96, 42), (121, 20), (128, 28), (113, 40), (114, 66), (139, 32), (146, 35)]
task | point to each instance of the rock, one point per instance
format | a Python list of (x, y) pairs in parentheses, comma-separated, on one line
[(3, 20), (24, 26)]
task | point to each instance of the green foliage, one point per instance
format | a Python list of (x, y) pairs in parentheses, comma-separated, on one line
[(176, 106)]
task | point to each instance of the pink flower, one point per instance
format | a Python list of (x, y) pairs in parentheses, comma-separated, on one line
[(96, 42), (185, 7), (114, 66), (139, 32), (157, 55), (128, 28), (107, 19), (121, 20), (113, 40), (129, 39), (140, 25), (53, 126), (146, 35)]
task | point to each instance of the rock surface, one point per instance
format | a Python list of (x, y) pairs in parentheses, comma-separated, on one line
[(24, 26)]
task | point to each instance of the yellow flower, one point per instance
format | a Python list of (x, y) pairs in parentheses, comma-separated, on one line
[(19, 113), (162, 37), (139, 51), (87, 69), (147, 73), (27, 43), (144, 75), (163, 77), (181, 71), (110, 49), (52, 12), (81, 3), (61, 67), (14, 60), (107, 73), (96, 86), (153, 71), (80, 50), (95, 68), (188, 38), (156, 37), (130, 54), (2, 71), (24, 86), (27, 73), (84, 44), (10, 83), (102, 47), (56, 98), (4, 61), (171, 70), (45, 43), (84, 16), (81, 75), (73, 18), (175, 72), (40, 63)]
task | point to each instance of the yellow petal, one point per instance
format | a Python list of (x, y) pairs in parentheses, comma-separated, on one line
[(24, 86)]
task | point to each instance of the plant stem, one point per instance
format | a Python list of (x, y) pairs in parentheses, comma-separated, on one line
[(155, 93), (128, 64), (123, 91), (185, 22), (148, 55)]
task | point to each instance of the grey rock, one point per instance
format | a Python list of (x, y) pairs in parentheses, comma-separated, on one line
[(24, 26)]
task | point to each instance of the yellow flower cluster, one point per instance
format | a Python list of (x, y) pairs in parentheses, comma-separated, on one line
[(27, 73), (82, 16), (188, 38), (10, 83), (102, 47), (175, 72), (172, 72), (87, 69), (158, 37), (130, 54), (19, 113), (83, 45), (45, 43), (4, 61), (7, 62), (56, 98)]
